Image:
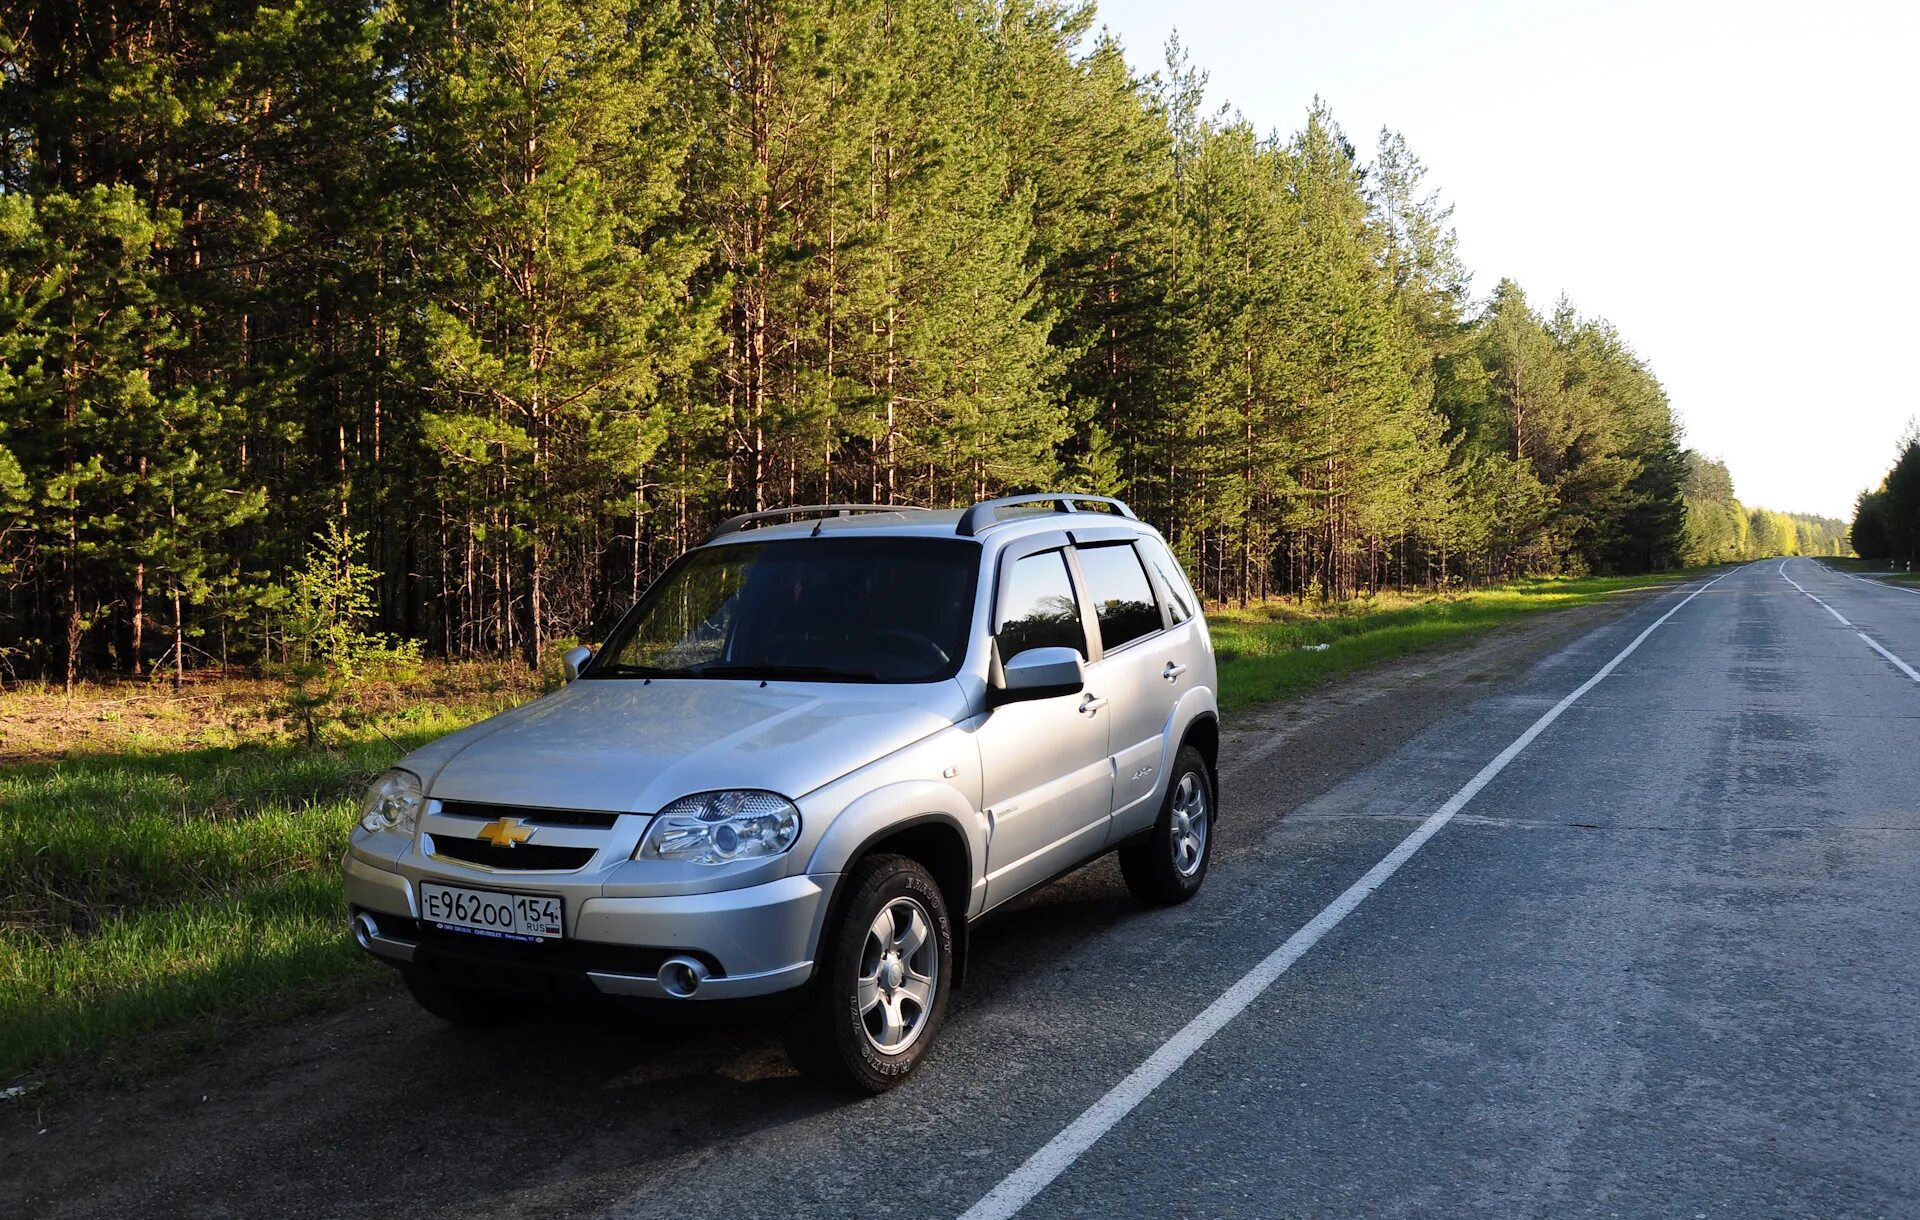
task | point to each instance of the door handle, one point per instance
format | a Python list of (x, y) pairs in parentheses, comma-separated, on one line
[(1173, 671), (1092, 704)]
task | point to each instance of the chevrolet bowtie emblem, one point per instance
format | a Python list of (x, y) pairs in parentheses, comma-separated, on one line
[(505, 832)]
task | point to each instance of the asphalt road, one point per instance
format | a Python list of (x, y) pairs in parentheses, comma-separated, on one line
[(1662, 962)]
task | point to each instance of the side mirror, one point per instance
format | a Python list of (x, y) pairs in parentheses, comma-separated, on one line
[(573, 658), (1039, 673)]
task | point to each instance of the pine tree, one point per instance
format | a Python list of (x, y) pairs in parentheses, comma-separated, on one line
[(969, 376), (557, 310), (1087, 139), (1238, 461)]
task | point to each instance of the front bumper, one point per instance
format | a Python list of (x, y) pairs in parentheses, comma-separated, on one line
[(755, 941)]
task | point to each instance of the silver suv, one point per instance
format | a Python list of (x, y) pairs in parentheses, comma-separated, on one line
[(825, 744)]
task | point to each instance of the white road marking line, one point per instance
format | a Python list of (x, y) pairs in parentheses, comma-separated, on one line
[(1875, 645), (1872, 584), (1018, 1188), (1816, 601), (1871, 642), (1876, 584)]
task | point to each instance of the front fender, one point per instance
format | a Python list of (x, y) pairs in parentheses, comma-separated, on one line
[(894, 807)]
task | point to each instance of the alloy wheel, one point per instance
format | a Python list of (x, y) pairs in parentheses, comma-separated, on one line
[(1189, 824), (899, 975)]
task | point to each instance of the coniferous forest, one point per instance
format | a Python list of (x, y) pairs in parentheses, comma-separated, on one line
[(1886, 520), (512, 301)]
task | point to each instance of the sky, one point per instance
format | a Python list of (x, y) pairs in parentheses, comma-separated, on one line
[(1730, 184)]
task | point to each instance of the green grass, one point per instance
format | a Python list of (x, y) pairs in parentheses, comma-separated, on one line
[(152, 901), (145, 986), (158, 893), (1266, 651)]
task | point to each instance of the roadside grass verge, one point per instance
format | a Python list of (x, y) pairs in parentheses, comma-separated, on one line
[(168, 865), (42, 722), (1880, 569), (1271, 650), (148, 987), (156, 895)]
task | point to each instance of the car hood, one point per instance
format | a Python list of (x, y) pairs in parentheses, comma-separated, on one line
[(630, 746)]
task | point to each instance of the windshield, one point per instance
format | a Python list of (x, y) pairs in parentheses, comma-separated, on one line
[(807, 609)]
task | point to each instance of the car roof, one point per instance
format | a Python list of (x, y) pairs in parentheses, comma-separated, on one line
[(1018, 522)]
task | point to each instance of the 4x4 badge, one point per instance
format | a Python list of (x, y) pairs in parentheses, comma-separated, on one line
[(505, 832)]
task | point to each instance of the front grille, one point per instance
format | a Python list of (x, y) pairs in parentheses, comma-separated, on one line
[(533, 817), (527, 857)]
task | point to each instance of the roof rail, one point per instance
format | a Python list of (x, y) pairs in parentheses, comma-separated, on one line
[(733, 525), (985, 514)]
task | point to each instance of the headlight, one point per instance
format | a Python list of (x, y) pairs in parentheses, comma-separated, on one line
[(392, 802), (721, 827)]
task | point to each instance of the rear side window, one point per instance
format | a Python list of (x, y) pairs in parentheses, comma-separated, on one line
[(1122, 597), (1040, 608), (1174, 586)]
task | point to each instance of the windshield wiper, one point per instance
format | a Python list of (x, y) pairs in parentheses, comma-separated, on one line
[(789, 673)]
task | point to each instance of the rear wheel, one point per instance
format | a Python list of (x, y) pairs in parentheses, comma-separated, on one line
[(468, 1006), (880, 993), (1171, 862)]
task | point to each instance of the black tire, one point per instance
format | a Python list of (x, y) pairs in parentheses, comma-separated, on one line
[(1153, 866), (830, 1038), (467, 1006)]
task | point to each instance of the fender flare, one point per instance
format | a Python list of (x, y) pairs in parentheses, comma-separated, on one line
[(1208, 715), (1191, 708), (876, 816)]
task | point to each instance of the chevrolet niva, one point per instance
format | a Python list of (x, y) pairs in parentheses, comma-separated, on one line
[(825, 744)]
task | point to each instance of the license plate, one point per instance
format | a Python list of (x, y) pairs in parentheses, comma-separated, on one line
[(534, 917)]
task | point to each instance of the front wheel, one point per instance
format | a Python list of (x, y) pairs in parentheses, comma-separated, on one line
[(880, 993), (1171, 862)]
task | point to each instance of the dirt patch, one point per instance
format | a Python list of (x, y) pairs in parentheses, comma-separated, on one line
[(43, 723)]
